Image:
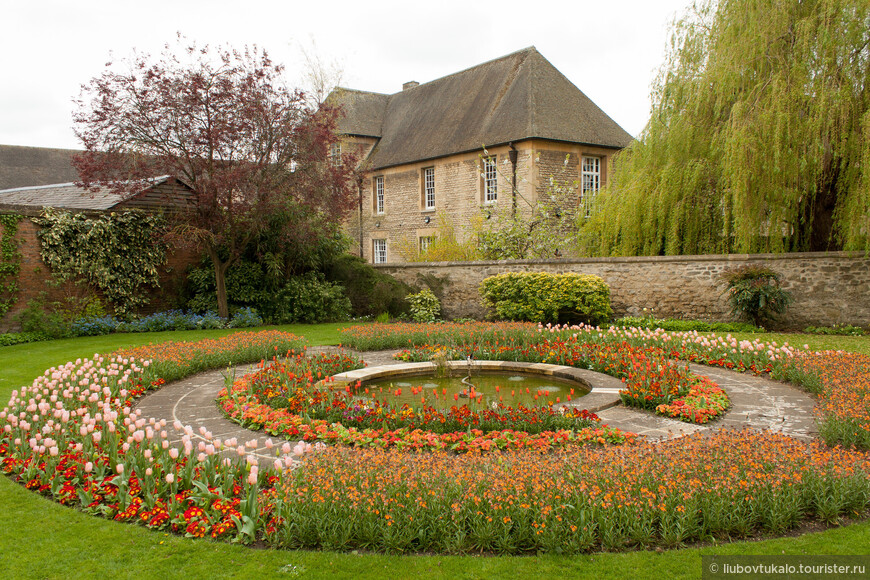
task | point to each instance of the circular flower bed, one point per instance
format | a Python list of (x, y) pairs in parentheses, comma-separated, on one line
[(284, 400), (73, 436)]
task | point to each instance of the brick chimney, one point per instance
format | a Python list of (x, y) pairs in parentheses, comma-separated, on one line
[(409, 85)]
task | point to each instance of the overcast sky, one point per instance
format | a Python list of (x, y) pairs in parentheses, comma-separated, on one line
[(49, 48)]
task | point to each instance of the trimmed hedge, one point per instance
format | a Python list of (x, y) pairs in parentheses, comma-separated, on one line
[(541, 297)]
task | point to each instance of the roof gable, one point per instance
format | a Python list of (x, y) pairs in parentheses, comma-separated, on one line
[(515, 97)]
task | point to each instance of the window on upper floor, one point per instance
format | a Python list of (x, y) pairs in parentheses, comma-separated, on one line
[(490, 180), (335, 153), (379, 194), (591, 182), (429, 188), (379, 251)]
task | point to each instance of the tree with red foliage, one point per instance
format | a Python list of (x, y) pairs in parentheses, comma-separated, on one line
[(223, 122)]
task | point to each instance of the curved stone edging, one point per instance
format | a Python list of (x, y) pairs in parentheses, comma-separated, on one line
[(603, 389)]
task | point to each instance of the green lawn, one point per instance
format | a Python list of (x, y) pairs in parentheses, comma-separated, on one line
[(41, 539)]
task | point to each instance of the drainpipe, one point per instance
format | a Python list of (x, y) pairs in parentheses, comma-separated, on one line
[(512, 155), (359, 186)]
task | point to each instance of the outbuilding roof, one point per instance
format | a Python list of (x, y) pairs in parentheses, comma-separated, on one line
[(516, 97), (68, 196)]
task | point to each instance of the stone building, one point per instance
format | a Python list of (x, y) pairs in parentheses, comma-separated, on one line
[(491, 136)]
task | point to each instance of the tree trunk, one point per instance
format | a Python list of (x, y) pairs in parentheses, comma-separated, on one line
[(220, 282)]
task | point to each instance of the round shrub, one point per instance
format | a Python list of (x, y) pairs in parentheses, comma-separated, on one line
[(425, 306), (542, 297), (310, 299)]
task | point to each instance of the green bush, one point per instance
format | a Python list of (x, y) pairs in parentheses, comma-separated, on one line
[(542, 297), (306, 298), (371, 292), (44, 318), (425, 306), (310, 299), (755, 293)]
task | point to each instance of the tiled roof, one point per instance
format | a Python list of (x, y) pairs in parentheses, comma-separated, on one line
[(27, 166), (66, 196), (515, 97), (363, 112)]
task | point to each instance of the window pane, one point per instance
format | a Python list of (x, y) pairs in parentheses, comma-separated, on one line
[(490, 180), (429, 187), (379, 195), (591, 182), (380, 251)]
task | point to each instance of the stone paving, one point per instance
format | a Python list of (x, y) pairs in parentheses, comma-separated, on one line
[(756, 402)]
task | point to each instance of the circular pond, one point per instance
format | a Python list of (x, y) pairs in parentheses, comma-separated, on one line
[(592, 391), (529, 390)]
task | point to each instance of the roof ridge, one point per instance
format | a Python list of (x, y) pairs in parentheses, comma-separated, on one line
[(349, 90), (529, 49), (9, 145), (30, 187), (154, 180)]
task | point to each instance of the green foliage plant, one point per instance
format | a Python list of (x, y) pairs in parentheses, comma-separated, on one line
[(425, 306), (838, 329), (42, 318), (371, 292), (755, 293), (310, 299), (117, 253), (543, 297), (10, 261), (758, 139)]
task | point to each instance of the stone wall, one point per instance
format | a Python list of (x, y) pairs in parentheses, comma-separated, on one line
[(827, 288)]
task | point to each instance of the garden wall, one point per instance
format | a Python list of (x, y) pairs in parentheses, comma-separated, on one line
[(827, 287), (34, 274)]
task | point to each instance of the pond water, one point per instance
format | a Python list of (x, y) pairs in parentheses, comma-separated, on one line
[(444, 392)]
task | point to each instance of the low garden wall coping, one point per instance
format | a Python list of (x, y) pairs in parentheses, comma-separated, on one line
[(827, 287), (603, 389)]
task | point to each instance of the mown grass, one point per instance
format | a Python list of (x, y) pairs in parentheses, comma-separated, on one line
[(41, 539)]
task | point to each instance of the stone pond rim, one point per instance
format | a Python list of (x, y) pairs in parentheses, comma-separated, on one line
[(603, 389)]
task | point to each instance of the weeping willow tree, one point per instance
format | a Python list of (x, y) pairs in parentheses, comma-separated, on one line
[(758, 140)]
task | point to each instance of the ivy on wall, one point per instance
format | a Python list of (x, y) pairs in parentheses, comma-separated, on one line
[(117, 253), (10, 261)]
